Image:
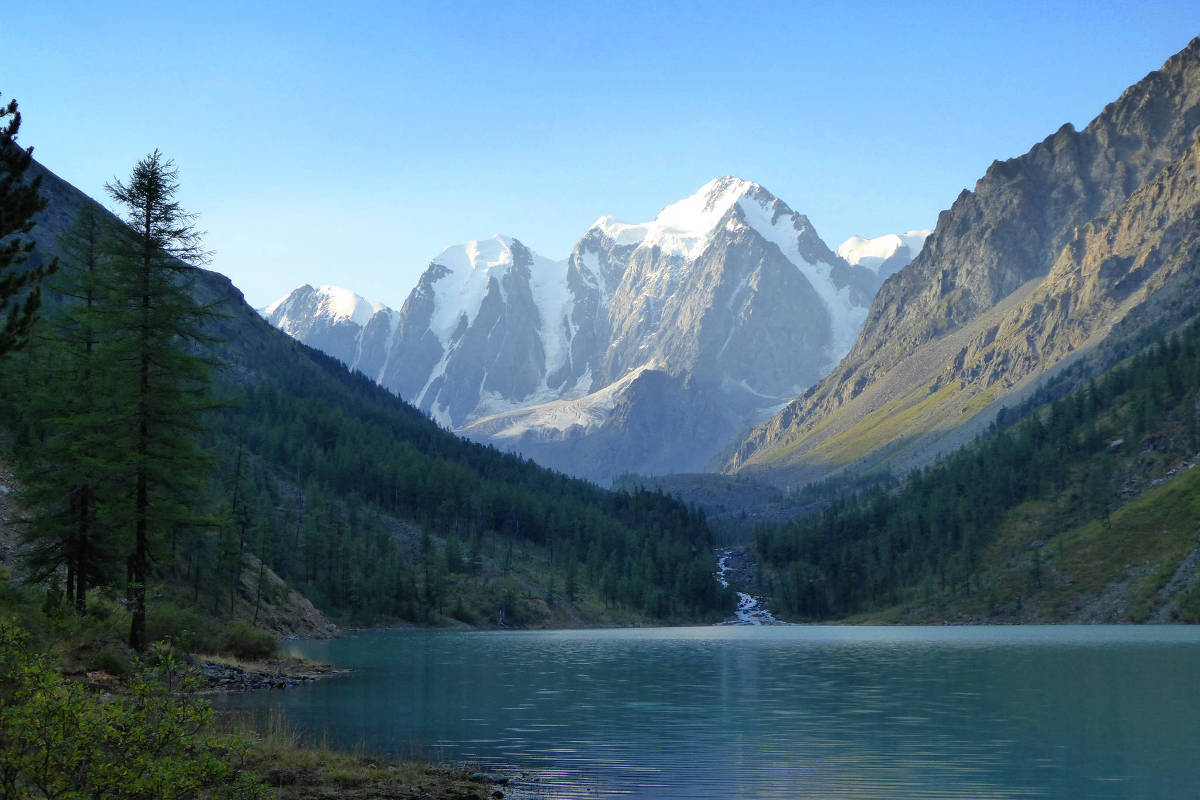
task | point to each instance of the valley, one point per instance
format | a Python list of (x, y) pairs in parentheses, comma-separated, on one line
[(704, 508)]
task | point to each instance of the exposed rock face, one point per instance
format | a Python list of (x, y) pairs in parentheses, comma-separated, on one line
[(639, 421), (647, 350), (486, 327), (684, 331), (1006, 287)]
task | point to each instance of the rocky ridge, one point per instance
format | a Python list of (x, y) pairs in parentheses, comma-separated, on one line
[(1036, 266)]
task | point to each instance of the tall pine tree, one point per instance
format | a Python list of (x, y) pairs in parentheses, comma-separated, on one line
[(165, 392), (66, 467), (20, 294)]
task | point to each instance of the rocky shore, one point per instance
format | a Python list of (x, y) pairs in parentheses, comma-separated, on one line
[(283, 673)]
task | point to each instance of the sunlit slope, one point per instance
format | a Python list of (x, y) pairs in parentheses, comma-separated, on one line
[(1035, 267), (1084, 510), (1138, 565)]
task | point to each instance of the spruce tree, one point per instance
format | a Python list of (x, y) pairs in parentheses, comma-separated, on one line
[(65, 475), (164, 391), (20, 294)]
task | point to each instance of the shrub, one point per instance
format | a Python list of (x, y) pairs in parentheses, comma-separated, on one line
[(57, 741), (182, 627), (114, 662), (1189, 605), (242, 640)]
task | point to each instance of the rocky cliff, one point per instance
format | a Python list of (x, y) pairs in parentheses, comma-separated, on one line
[(1034, 267)]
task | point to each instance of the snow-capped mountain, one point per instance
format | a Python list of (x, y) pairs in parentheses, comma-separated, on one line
[(715, 282), (337, 321), (486, 329), (647, 350), (884, 255)]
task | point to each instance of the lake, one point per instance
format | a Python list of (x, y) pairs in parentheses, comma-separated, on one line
[(777, 712)]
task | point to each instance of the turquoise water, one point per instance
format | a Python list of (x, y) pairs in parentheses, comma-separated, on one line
[(779, 712)]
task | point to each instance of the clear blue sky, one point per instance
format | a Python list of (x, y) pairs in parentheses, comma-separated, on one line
[(350, 142)]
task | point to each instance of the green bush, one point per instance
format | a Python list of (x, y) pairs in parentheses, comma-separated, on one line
[(184, 628), (57, 741), (462, 613), (114, 662), (242, 640), (103, 608)]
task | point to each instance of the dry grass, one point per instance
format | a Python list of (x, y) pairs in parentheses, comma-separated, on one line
[(300, 769)]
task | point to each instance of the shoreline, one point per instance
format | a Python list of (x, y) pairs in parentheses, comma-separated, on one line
[(221, 674)]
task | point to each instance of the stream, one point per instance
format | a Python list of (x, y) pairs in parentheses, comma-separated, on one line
[(750, 610)]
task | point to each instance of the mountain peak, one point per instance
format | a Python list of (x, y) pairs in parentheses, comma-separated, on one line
[(683, 227), (342, 303), (723, 192), (875, 254), (331, 302), (477, 254)]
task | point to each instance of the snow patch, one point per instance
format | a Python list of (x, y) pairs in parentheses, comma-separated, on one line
[(460, 290), (548, 282), (338, 303)]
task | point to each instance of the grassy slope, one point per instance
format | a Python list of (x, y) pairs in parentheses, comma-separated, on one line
[(1094, 519), (1139, 565)]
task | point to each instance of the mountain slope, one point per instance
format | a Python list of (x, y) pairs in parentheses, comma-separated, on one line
[(1083, 511), (913, 385), (355, 496)]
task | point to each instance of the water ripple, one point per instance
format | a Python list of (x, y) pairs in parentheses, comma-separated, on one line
[(773, 712)]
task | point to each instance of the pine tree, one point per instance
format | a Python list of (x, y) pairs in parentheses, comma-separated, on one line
[(20, 295), (164, 391), (67, 413)]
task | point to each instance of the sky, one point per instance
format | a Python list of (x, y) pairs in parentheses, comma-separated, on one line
[(349, 143)]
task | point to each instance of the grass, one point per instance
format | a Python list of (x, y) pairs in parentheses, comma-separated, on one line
[(918, 411), (1145, 541), (296, 768), (1043, 568)]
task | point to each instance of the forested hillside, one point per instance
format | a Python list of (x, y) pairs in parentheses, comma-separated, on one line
[(397, 518), (346, 492), (1083, 509)]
